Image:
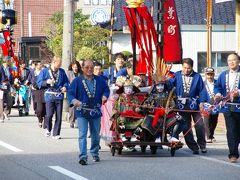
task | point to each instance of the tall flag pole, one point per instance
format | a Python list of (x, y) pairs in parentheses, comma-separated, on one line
[(111, 37), (238, 25), (209, 33)]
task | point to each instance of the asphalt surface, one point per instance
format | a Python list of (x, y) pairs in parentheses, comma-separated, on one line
[(26, 154)]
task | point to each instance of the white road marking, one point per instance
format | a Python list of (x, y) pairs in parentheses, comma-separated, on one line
[(220, 161), (213, 159), (67, 173), (8, 146)]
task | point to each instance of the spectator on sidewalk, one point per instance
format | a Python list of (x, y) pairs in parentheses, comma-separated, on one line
[(228, 87), (74, 70), (54, 80), (87, 93)]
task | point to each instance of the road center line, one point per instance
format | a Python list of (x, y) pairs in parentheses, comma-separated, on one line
[(67, 173), (213, 159), (220, 161), (8, 146)]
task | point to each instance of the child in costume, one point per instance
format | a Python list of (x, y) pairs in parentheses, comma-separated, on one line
[(159, 98), (126, 110)]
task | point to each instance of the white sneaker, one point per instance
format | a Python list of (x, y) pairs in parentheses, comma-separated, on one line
[(173, 140), (56, 137), (158, 140), (124, 138), (21, 104), (15, 104), (133, 139), (47, 133)]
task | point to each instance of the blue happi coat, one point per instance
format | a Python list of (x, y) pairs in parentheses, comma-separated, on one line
[(42, 84), (196, 95), (220, 87), (77, 91)]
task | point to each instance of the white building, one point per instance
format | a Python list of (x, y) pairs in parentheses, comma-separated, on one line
[(192, 15)]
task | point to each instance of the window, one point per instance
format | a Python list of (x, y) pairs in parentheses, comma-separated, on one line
[(95, 2), (109, 2), (219, 61), (103, 2), (34, 52), (87, 2)]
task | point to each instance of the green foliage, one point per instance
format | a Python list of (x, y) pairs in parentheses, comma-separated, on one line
[(89, 42)]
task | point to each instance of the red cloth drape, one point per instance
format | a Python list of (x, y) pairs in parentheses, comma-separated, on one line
[(172, 47)]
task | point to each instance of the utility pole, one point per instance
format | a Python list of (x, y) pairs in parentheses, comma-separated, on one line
[(67, 51), (238, 26), (209, 33), (22, 17)]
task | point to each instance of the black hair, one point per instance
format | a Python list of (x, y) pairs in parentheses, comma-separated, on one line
[(119, 55), (96, 63), (236, 54), (188, 61), (78, 65)]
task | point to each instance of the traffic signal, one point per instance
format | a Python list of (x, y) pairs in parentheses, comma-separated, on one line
[(8, 17)]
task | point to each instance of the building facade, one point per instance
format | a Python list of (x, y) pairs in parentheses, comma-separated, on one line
[(192, 15)]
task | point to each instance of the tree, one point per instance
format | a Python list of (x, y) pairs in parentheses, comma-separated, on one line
[(89, 41)]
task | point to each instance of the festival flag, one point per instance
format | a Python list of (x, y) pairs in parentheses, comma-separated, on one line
[(172, 44), (220, 1)]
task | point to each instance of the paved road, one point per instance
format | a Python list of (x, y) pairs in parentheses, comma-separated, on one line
[(26, 154)]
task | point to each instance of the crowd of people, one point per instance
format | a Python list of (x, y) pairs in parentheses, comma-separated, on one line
[(88, 87)]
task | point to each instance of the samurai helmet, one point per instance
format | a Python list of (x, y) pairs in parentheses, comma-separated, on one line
[(137, 81), (128, 82), (160, 76), (120, 81), (134, 3)]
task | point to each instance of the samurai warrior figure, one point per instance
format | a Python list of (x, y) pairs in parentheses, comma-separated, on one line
[(159, 102), (126, 110)]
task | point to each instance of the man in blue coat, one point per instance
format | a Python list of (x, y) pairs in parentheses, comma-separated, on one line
[(228, 87), (6, 80), (112, 73), (190, 92), (87, 93), (55, 82)]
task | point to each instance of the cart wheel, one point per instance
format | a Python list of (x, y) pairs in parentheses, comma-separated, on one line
[(143, 148), (119, 151), (20, 113), (172, 152), (153, 149), (113, 149)]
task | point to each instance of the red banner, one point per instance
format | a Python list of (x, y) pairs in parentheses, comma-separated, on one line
[(8, 47), (172, 47)]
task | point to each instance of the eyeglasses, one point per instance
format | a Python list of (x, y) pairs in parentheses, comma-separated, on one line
[(88, 67)]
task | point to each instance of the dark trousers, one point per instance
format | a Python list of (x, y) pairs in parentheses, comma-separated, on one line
[(5, 104), (232, 120), (200, 131), (40, 111), (210, 125), (51, 107)]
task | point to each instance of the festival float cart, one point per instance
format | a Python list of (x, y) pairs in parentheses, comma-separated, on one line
[(143, 33)]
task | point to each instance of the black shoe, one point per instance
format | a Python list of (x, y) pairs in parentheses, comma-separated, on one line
[(71, 125), (196, 152), (83, 162), (26, 113), (96, 159), (204, 150)]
